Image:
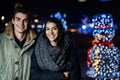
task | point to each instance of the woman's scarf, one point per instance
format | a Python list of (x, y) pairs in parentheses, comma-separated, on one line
[(50, 57)]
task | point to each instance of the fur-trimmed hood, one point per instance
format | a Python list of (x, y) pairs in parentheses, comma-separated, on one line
[(30, 35)]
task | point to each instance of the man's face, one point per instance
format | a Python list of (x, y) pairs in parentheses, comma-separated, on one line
[(20, 22)]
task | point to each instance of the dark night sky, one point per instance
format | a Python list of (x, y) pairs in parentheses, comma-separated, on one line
[(72, 7)]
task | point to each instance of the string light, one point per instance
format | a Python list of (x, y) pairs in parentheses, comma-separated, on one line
[(103, 56)]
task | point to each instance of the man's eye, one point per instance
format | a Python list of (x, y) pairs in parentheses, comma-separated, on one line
[(18, 19), (26, 20)]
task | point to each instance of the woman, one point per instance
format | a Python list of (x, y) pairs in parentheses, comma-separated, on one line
[(54, 57)]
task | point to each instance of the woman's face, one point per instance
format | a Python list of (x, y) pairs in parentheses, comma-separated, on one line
[(51, 31)]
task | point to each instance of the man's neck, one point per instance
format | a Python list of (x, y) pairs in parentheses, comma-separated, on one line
[(20, 36)]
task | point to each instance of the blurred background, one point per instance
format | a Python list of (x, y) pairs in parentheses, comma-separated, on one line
[(71, 11), (73, 14)]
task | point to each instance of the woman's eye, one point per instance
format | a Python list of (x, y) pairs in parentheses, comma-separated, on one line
[(47, 29), (55, 28)]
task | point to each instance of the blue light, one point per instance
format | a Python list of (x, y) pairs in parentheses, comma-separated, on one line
[(105, 0), (104, 55), (83, 27)]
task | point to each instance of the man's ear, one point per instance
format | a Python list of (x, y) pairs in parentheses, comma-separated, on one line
[(12, 21)]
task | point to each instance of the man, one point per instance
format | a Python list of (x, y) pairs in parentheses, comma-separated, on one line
[(16, 47)]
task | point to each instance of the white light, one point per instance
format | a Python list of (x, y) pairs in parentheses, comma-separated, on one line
[(83, 27), (6, 24), (39, 26), (32, 26), (92, 25), (3, 18), (82, 0), (36, 20)]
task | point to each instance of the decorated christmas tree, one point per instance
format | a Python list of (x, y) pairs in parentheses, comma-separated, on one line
[(103, 57)]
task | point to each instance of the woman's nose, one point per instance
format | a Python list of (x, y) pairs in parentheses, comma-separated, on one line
[(51, 31)]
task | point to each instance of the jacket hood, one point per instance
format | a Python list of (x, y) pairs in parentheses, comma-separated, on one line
[(30, 34)]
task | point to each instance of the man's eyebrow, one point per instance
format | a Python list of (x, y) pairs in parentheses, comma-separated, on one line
[(20, 18), (17, 17)]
